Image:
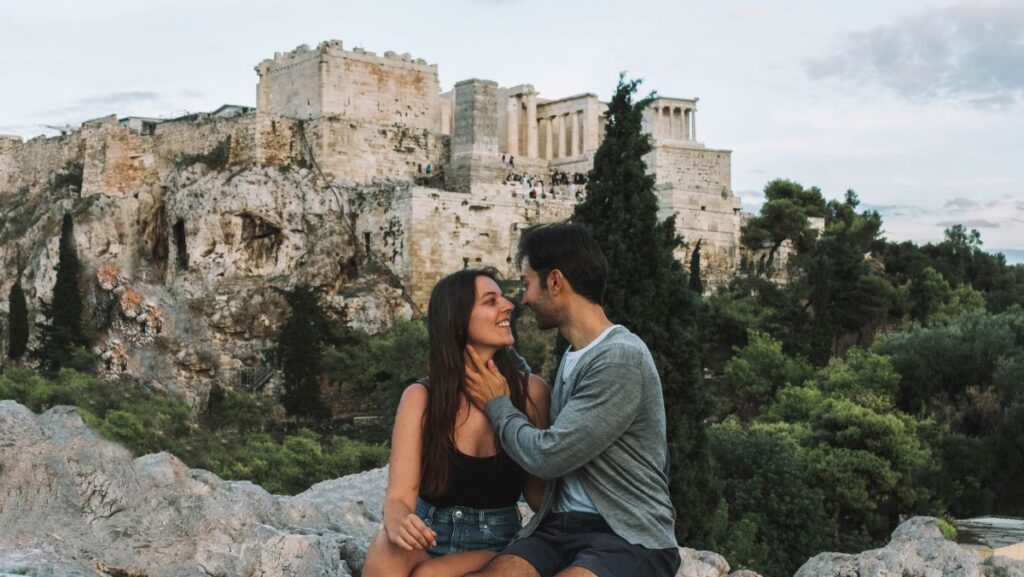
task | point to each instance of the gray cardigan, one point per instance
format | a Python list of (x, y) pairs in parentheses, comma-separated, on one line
[(608, 424)]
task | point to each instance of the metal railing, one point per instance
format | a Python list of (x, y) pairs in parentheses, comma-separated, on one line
[(253, 379)]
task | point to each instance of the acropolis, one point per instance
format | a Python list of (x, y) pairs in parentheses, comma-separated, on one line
[(480, 161)]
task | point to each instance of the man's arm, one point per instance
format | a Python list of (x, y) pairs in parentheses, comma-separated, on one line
[(601, 408)]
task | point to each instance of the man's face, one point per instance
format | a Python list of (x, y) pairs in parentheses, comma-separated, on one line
[(538, 298)]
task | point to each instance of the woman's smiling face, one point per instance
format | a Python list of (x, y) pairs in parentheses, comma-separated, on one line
[(490, 323)]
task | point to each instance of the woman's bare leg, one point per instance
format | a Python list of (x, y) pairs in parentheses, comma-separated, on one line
[(385, 559), (454, 565)]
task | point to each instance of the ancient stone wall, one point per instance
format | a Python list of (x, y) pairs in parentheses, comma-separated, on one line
[(474, 149), (290, 84), (425, 233), (694, 183), (9, 147), (692, 168), (367, 152), (118, 160), (356, 85), (25, 168)]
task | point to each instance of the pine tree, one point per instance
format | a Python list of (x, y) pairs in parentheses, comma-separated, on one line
[(61, 332), (17, 333), (648, 293), (696, 284), (300, 350)]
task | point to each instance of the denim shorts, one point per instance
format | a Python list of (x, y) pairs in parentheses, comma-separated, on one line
[(466, 529)]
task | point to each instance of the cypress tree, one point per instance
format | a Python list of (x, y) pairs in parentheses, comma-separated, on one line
[(648, 293), (696, 284), (300, 350), (61, 332), (17, 334)]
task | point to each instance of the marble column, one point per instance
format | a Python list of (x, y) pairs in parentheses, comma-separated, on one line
[(531, 125), (512, 126), (546, 124), (560, 120), (574, 133)]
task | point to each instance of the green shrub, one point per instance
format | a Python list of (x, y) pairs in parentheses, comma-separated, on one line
[(229, 440), (947, 528)]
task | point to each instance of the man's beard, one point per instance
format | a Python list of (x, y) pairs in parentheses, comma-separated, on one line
[(544, 319)]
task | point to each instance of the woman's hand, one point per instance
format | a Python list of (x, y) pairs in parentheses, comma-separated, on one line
[(411, 533)]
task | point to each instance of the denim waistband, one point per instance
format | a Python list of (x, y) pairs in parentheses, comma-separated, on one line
[(459, 515)]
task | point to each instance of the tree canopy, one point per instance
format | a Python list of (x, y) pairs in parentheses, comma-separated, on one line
[(647, 292)]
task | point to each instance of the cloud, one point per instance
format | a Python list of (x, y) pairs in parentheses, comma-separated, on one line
[(960, 203), (1001, 220), (113, 101), (971, 223), (897, 210), (971, 52)]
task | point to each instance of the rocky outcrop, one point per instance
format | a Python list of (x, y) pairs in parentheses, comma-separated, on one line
[(182, 278), (916, 549), (71, 502), (74, 504)]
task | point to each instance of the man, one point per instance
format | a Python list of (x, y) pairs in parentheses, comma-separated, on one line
[(606, 510)]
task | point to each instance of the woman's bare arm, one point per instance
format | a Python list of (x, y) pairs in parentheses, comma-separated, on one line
[(401, 524)]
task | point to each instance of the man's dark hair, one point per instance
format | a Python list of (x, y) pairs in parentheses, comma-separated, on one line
[(569, 248)]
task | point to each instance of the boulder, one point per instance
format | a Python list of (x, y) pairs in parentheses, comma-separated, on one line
[(72, 503), (916, 548)]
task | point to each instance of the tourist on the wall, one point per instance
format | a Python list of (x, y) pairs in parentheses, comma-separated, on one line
[(450, 504)]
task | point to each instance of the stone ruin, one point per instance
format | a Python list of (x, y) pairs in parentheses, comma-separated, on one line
[(471, 157), (348, 157)]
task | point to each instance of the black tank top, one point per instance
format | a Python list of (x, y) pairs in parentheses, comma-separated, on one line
[(482, 483)]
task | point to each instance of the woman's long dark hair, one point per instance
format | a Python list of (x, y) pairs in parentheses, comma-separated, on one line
[(448, 314)]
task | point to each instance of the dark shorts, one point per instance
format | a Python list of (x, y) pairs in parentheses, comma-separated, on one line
[(462, 529), (585, 540)]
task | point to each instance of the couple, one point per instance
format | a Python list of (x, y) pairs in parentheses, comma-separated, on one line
[(589, 456)]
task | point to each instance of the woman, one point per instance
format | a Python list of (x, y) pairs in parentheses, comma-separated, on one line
[(450, 502)]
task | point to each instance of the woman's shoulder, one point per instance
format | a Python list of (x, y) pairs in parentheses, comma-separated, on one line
[(536, 387), (415, 394)]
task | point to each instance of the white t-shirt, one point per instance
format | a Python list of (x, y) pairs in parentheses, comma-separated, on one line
[(573, 496)]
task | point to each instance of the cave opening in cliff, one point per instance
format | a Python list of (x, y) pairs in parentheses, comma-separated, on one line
[(262, 239), (181, 250)]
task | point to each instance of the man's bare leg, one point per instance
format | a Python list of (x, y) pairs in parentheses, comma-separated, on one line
[(506, 566)]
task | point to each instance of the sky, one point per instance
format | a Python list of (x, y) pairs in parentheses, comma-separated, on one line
[(916, 105)]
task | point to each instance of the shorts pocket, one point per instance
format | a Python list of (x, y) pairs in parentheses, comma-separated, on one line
[(502, 532)]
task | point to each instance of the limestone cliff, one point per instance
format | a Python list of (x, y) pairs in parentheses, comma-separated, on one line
[(181, 280)]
